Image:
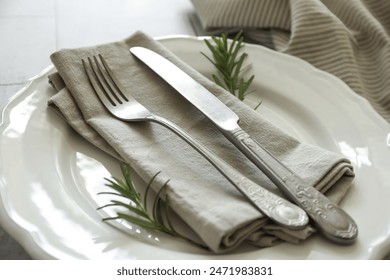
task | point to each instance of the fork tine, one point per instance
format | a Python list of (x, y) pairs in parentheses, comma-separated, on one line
[(114, 82), (106, 81), (96, 83)]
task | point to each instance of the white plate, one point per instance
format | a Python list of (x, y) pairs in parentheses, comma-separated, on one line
[(49, 176)]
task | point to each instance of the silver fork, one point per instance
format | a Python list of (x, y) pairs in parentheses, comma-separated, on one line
[(124, 107)]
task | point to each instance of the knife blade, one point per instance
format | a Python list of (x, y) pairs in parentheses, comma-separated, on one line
[(332, 221)]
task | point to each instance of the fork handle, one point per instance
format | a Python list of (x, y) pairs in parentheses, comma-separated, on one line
[(329, 218), (275, 207)]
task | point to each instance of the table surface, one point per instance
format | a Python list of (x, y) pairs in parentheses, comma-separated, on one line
[(32, 30)]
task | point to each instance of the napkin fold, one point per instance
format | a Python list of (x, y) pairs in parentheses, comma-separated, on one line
[(349, 39), (202, 197)]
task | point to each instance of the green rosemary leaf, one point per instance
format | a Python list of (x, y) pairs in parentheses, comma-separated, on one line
[(238, 65), (147, 191), (128, 206), (248, 83), (169, 223), (105, 206), (128, 184), (217, 80), (111, 193), (258, 105), (117, 187), (235, 41), (156, 201), (237, 45), (208, 58), (127, 176)]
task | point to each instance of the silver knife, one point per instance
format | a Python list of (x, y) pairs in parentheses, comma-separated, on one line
[(334, 223)]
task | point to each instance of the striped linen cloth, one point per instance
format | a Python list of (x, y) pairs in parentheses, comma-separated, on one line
[(347, 38)]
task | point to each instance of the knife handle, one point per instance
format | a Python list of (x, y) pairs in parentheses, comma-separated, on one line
[(330, 219), (278, 209)]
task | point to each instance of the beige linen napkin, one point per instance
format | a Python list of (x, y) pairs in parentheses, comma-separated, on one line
[(349, 39), (202, 197)]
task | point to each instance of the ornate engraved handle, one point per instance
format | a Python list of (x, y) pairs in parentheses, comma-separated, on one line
[(278, 209), (329, 218)]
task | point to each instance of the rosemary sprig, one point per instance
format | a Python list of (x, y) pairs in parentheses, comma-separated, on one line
[(136, 210), (228, 61)]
